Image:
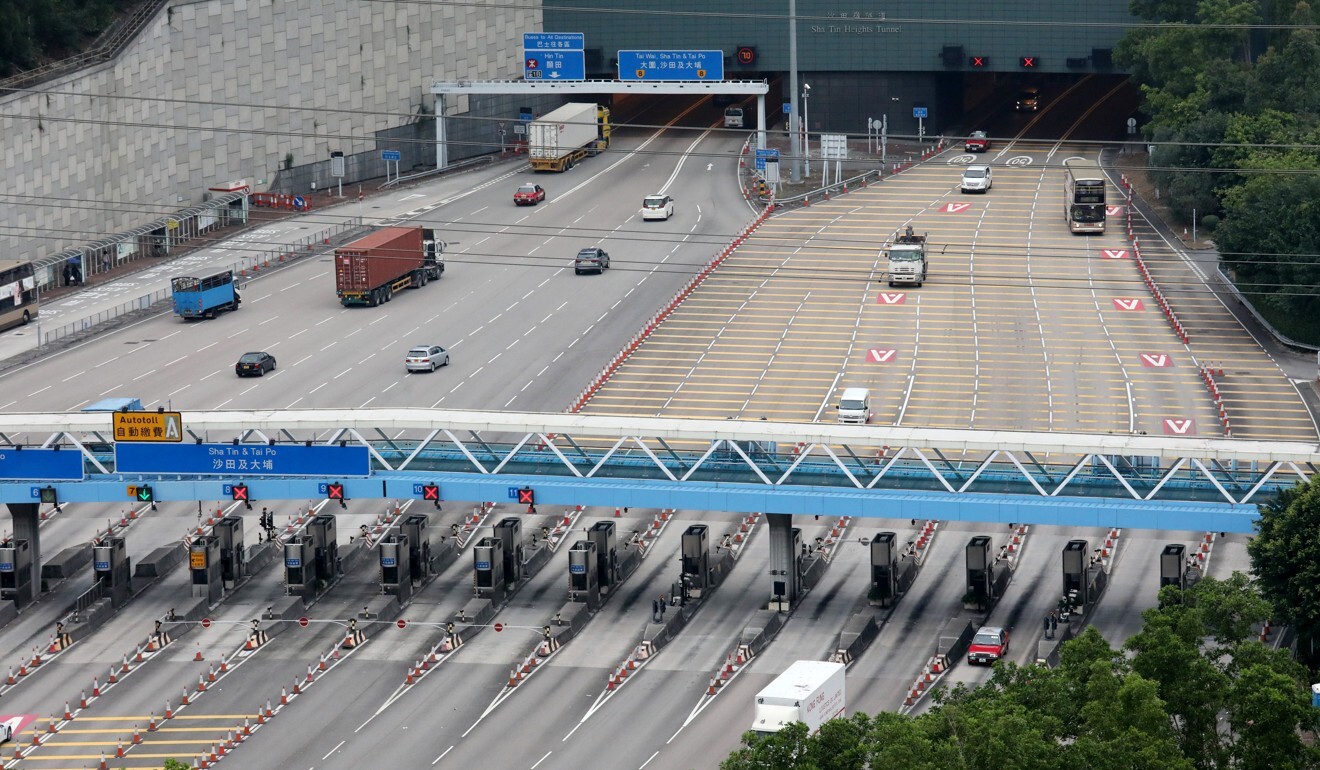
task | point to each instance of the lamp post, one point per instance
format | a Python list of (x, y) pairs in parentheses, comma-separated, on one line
[(806, 129), (795, 141)]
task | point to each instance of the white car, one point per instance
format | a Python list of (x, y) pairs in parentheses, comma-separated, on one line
[(657, 207), (977, 179)]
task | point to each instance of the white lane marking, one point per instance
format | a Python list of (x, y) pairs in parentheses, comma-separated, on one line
[(331, 751), (73, 376), (48, 387), (648, 760), (542, 759), (442, 756)]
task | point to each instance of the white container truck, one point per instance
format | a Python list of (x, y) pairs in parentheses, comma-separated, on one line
[(809, 691), (562, 137)]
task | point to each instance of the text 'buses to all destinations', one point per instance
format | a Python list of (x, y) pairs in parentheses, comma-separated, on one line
[(1084, 196), (18, 293)]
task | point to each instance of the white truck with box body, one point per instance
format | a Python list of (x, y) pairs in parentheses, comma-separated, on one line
[(907, 258), (562, 137), (809, 691)]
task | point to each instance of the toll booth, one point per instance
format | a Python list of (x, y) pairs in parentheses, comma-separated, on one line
[(395, 570), (15, 569), (205, 569), (300, 566), (1075, 562), (326, 545), (607, 559), (583, 578), (787, 555), (980, 574), (1173, 566), (884, 569), (695, 578), (419, 546), (488, 569), (111, 568), (509, 531), (233, 562)]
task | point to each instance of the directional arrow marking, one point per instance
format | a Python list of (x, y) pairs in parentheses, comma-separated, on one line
[(1156, 360), (897, 298), (1124, 303), (1116, 253), (880, 355), (1176, 427)]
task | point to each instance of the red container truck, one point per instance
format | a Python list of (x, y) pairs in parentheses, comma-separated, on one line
[(371, 269)]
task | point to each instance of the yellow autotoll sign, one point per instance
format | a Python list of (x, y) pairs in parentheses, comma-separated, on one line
[(148, 426), (197, 559)]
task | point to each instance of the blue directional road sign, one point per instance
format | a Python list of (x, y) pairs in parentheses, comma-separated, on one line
[(391, 155), (554, 65), (788, 108), (671, 65), (920, 112), (41, 464), (243, 459), (554, 41), (763, 155)]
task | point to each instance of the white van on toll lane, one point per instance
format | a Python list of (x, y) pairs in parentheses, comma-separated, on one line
[(855, 406)]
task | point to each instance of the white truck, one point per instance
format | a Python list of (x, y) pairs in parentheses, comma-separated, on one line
[(907, 258), (809, 691), (562, 137)]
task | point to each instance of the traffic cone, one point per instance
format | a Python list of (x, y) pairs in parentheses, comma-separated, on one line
[(119, 749), (151, 725), (269, 713), (198, 656), (137, 736), (284, 697), (67, 713), (104, 765), (112, 678), (169, 713), (84, 699), (184, 702), (247, 727), (96, 687)]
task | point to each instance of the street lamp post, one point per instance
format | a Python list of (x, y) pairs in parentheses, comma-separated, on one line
[(806, 129), (795, 141)]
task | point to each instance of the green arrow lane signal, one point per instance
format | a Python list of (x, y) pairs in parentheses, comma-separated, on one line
[(145, 494)]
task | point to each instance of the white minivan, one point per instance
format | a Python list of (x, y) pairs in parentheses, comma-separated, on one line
[(977, 179), (855, 406)]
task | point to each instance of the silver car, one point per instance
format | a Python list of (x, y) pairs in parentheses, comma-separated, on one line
[(426, 358)]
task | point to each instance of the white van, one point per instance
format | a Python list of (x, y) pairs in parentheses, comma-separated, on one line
[(855, 406), (733, 117)]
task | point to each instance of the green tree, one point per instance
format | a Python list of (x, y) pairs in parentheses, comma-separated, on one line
[(174, 764), (1285, 557)]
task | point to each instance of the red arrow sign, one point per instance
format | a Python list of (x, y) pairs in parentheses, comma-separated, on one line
[(1113, 211), (880, 355), (897, 298), (1125, 303), (954, 208), (1175, 427), (1156, 360), (1115, 253)]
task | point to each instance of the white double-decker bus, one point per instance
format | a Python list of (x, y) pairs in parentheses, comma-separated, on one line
[(1084, 196)]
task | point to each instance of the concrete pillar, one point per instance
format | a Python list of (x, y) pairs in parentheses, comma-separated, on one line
[(27, 519)]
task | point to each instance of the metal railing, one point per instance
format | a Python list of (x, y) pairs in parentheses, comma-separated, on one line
[(106, 47), (84, 603), (279, 253), (1232, 288)]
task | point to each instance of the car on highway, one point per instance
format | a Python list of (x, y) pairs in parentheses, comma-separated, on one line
[(1028, 100), (255, 363), (528, 195), (657, 207), (589, 259), (425, 358), (989, 645), (977, 142), (977, 179), (6, 732)]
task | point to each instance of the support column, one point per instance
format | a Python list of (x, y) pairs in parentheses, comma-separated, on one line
[(27, 518), (785, 544)]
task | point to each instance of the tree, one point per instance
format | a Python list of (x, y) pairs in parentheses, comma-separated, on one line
[(174, 764), (1285, 557)]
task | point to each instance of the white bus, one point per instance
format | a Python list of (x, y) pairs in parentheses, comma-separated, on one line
[(18, 293), (1084, 196)]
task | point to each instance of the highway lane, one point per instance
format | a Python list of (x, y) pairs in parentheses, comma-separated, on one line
[(356, 698), (429, 718), (880, 678), (811, 634), (1134, 582), (1004, 334), (575, 676)]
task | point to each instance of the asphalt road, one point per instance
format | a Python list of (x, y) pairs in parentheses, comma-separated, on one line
[(1018, 327)]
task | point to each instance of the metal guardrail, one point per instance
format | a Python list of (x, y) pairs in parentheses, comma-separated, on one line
[(1232, 288), (823, 193), (462, 164), (109, 45), (89, 597), (284, 253)]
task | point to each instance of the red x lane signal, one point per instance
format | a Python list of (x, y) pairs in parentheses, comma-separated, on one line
[(431, 492), (1028, 62), (526, 496), (334, 491)]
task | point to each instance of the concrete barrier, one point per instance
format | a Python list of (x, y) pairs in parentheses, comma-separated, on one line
[(762, 630), (65, 563), (813, 572), (857, 634), (955, 636), (160, 562), (569, 621), (283, 608)]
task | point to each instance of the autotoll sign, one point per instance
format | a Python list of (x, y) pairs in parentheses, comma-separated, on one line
[(148, 426)]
